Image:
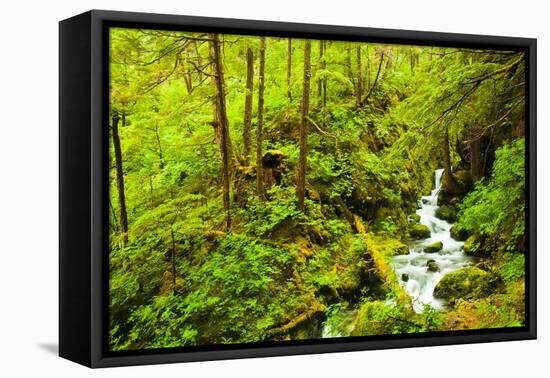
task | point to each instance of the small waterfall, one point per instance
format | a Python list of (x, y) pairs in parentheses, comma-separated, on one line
[(421, 282)]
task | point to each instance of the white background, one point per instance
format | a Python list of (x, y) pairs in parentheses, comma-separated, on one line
[(29, 174)]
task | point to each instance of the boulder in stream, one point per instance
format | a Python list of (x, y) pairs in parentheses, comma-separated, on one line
[(401, 249), (420, 231), (466, 283), (414, 218), (446, 212), (434, 247), (432, 266), (459, 233)]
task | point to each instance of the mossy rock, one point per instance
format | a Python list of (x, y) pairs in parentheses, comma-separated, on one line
[(167, 283), (400, 249), (471, 246), (453, 194), (420, 231), (405, 277), (446, 194), (434, 247), (414, 218), (365, 322), (392, 247), (446, 212), (468, 283), (432, 266), (455, 201), (378, 318), (459, 233)]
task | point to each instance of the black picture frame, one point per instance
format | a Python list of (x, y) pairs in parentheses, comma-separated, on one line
[(83, 195)]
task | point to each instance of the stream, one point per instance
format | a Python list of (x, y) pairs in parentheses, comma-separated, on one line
[(412, 269), (421, 282)]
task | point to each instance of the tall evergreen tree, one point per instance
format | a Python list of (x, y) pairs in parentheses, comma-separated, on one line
[(302, 164)]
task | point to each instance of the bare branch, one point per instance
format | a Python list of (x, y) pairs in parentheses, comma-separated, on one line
[(156, 84)]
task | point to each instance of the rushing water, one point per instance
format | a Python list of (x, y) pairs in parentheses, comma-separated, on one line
[(412, 269)]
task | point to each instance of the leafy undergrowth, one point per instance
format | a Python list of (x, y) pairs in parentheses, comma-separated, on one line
[(501, 310), (200, 254), (494, 212)]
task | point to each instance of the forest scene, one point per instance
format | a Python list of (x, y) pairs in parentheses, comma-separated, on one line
[(271, 189)]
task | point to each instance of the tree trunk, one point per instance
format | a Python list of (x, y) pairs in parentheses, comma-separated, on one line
[(248, 103), (371, 89), (217, 111), (349, 70), (187, 78), (319, 80), (324, 80), (161, 157), (415, 59), (199, 59), (223, 127), (259, 133), (173, 258), (359, 82), (151, 191), (289, 70), (301, 181), (447, 174), (476, 161), (487, 155), (114, 223), (120, 181), (389, 60), (368, 68)]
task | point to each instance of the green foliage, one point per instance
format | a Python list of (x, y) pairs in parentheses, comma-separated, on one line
[(501, 310), (387, 317), (495, 209), (159, 325), (512, 267), (264, 217), (337, 266), (271, 274), (430, 319), (465, 283), (383, 318), (242, 279), (332, 174), (340, 321)]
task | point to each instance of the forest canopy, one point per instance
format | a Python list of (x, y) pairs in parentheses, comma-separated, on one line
[(272, 189)]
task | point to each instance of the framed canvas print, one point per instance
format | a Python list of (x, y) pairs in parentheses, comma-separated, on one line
[(233, 188)]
